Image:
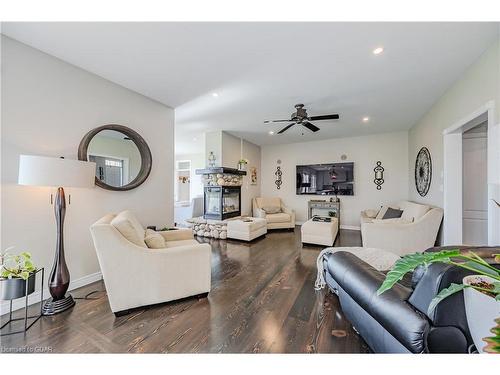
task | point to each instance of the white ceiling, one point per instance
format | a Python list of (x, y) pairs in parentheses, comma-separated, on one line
[(260, 70)]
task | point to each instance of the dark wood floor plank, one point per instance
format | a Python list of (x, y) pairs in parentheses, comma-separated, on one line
[(262, 300)]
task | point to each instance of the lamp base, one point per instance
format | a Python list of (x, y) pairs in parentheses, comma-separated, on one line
[(52, 307)]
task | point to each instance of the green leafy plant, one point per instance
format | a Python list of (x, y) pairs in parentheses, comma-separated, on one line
[(243, 161), (471, 262), (16, 266), (494, 341)]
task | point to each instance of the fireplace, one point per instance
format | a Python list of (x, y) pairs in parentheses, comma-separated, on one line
[(221, 202), (222, 192)]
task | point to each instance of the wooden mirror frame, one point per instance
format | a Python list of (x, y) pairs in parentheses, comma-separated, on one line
[(146, 158)]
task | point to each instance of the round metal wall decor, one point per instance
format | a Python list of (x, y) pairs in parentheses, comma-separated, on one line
[(423, 171)]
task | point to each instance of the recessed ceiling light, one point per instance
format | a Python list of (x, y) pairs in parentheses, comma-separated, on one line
[(378, 50), (215, 95), (195, 139), (271, 132), (366, 119)]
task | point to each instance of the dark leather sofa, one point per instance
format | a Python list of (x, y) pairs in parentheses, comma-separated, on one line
[(397, 320)]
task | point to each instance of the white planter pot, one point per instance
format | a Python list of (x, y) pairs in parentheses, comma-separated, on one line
[(481, 311)]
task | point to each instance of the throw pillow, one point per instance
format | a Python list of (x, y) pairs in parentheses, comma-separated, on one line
[(371, 213), (272, 210), (392, 213), (154, 240)]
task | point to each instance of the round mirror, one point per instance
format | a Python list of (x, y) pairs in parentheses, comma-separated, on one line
[(123, 159)]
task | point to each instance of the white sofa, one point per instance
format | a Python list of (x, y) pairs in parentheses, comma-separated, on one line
[(281, 220), (417, 231), (136, 275)]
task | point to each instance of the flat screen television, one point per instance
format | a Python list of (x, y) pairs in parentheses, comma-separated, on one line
[(325, 179)]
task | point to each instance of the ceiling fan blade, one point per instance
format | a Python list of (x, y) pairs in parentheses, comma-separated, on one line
[(310, 126), (268, 121), (286, 128), (334, 116)]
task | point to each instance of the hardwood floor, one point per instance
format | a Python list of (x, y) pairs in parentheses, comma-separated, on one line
[(262, 301)]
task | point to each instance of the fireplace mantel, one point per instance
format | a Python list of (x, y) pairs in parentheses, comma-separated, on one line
[(223, 170)]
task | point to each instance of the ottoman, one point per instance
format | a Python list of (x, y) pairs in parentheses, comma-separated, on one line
[(246, 229), (320, 233)]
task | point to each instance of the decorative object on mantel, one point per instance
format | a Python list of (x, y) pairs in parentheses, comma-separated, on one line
[(17, 280), (211, 160), (253, 175), (423, 171), (278, 175), (343, 157), (379, 175), (183, 179), (242, 164), (58, 172)]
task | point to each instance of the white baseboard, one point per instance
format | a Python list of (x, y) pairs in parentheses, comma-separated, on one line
[(35, 297)]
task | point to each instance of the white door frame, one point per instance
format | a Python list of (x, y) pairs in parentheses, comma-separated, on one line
[(452, 168)]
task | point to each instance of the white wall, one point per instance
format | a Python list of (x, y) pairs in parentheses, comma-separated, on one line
[(47, 107), (390, 148), (232, 151), (478, 85)]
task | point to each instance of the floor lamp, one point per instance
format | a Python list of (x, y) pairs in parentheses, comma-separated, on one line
[(57, 172)]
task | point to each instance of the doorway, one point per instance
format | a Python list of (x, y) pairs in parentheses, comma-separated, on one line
[(471, 168), (475, 185)]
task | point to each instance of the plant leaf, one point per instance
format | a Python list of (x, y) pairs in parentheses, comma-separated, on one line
[(408, 264), (479, 268), (446, 292)]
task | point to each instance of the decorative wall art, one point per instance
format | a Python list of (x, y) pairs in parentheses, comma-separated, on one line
[(423, 171), (253, 176), (278, 175), (379, 175), (211, 159)]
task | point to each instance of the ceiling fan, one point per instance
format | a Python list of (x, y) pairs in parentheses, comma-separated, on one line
[(300, 117)]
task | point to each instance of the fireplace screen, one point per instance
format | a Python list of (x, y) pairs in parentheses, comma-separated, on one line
[(222, 202)]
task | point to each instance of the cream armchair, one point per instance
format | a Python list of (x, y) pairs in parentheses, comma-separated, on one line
[(281, 220), (136, 276), (417, 233)]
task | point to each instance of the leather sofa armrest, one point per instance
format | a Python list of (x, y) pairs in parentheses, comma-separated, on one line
[(391, 309)]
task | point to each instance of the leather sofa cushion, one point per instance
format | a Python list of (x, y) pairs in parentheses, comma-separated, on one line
[(390, 309), (127, 224), (278, 218)]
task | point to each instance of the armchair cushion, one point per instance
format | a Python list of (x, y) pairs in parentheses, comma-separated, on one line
[(372, 214), (127, 224), (154, 240), (192, 242), (177, 235), (278, 218), (392, 213)]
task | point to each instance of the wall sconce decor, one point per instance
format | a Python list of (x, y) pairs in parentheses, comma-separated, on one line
[(379, 175), (278, 175)]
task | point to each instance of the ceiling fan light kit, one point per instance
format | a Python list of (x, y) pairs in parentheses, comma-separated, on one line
[(300, 117)]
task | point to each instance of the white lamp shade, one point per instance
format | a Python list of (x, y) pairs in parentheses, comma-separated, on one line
[(49, 171)]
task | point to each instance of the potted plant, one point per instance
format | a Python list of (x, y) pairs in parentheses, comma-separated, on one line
[(15, 272), (242, 164), (481, 290)]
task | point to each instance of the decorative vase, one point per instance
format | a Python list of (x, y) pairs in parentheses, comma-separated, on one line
[(16, 287), (481, 311), (242, 166)]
